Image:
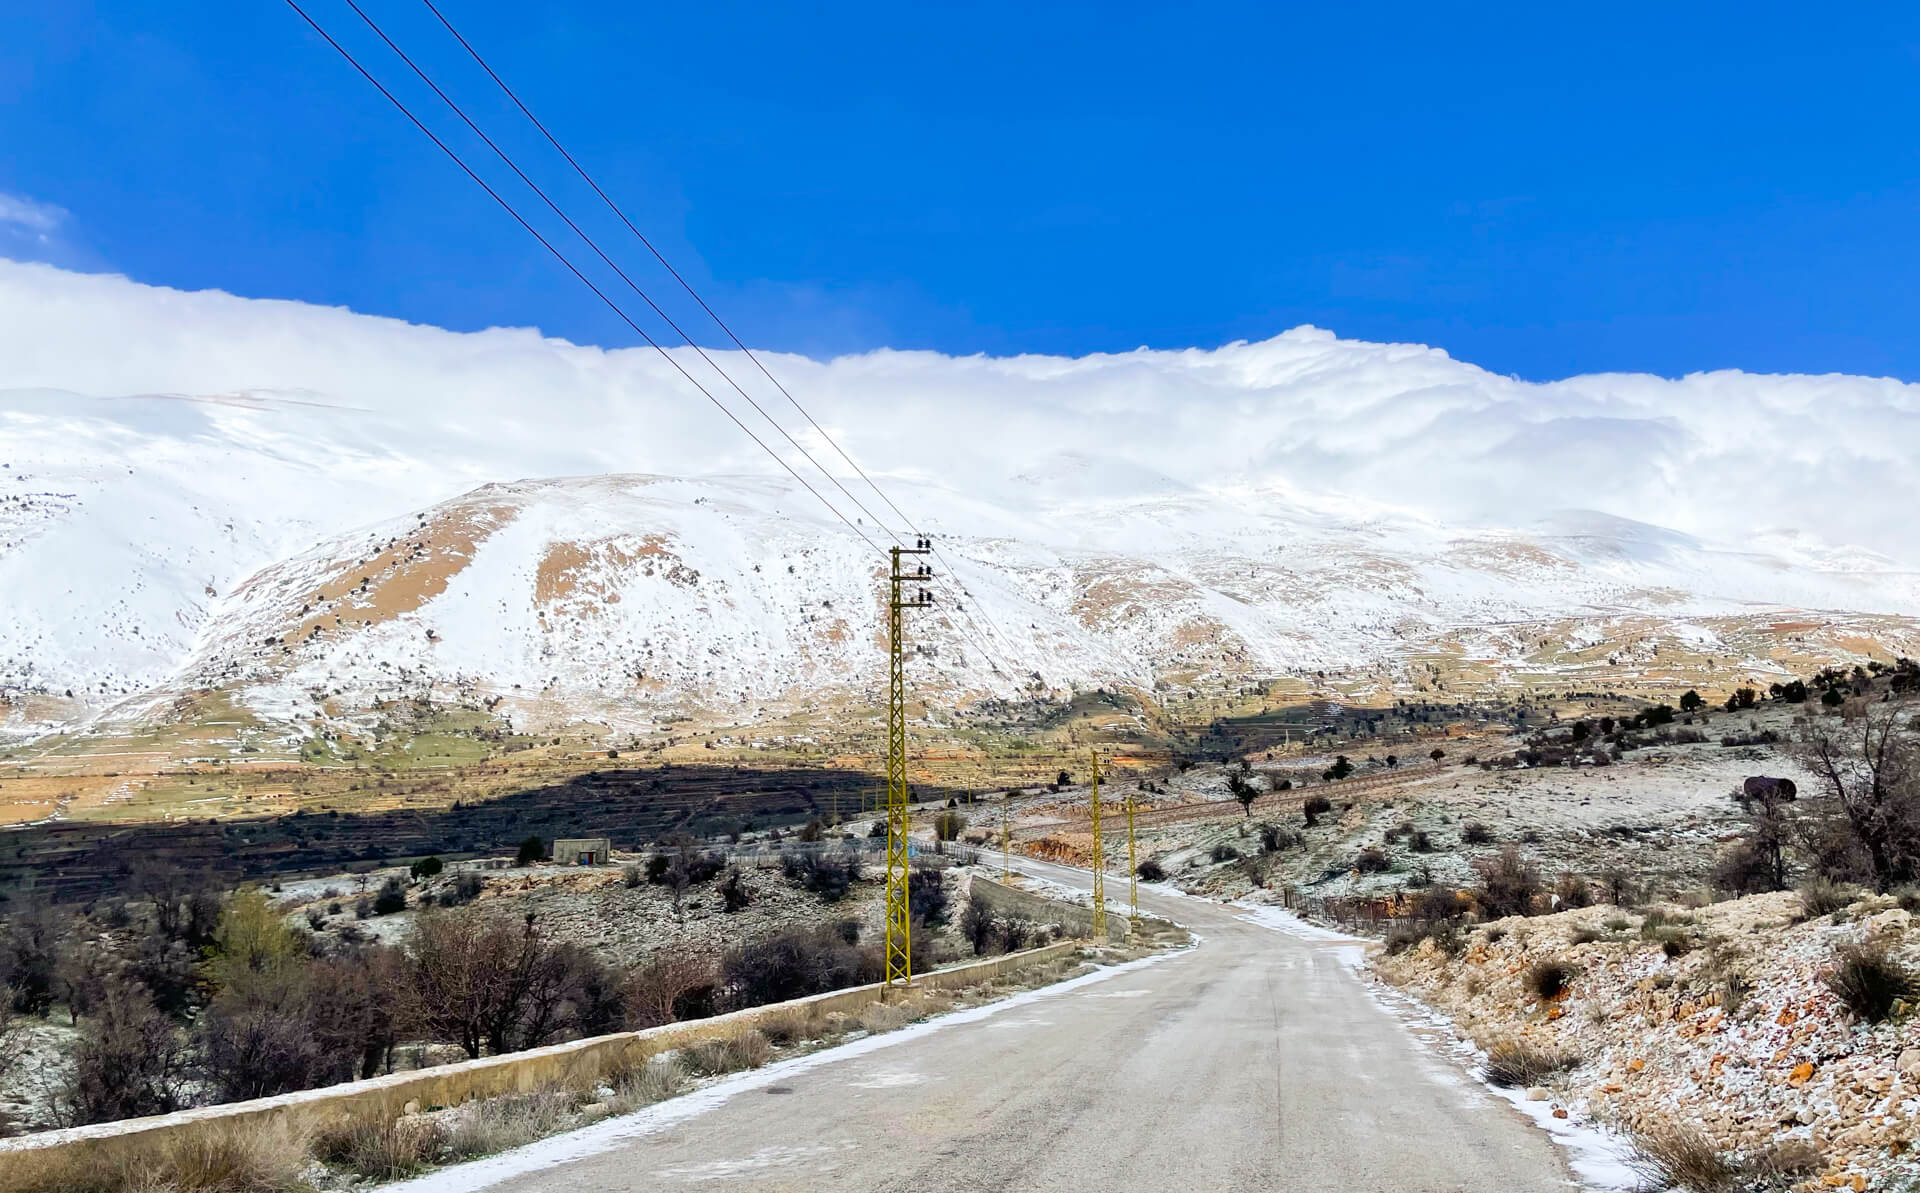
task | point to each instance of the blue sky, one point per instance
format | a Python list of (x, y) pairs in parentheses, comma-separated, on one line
[(1543, 190)]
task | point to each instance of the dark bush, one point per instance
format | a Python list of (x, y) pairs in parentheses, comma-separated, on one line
[(1869, 981), (1273, 838), (1548, 979), (1151, 871), (1314, 807), (927, 898), (531, 850), (791, 965), (948, 826), (828, 876), (1420, 841), (1372, 860), (427, 867), (392, 898), (1223, 852), (1475, 833), (1015, 932), (976, 924), (734, 894), (465, 888)]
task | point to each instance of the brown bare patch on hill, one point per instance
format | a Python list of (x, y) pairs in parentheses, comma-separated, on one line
[(404, 575)]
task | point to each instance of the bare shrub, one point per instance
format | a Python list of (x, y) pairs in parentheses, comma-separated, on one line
[(976, 924), (129, 1061), (1314, 807), (1869, 981), (1867, 786), (671, 987), (1519, 1064), (1509, 884), (1475, 833), (1572, 891), (947, 826)]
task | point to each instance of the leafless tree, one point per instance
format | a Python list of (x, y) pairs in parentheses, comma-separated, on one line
[(1867, 773)]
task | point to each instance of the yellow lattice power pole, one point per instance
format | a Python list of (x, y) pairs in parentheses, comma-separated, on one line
[(899, 967), (1133, 866), (1006, 836), (1099, 862)]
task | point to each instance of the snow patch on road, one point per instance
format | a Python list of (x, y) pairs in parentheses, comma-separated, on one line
[(758, 1160), (612, 1133), (1280, 919)]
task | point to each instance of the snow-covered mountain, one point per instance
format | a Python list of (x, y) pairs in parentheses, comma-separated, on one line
[(315, 510)]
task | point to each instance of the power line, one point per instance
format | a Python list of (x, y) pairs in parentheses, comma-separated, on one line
[(574, 270), (592, 244), (711, 313)]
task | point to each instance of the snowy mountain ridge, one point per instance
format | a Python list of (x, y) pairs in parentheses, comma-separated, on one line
[(314, 510)]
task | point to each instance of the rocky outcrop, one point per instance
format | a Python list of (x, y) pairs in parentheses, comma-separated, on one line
[(1719, 1019)]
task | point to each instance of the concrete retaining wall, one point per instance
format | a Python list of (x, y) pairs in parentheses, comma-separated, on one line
[(37, 1161), (1074, 917)]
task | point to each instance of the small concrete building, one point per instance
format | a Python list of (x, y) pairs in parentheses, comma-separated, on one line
[(583, 851)]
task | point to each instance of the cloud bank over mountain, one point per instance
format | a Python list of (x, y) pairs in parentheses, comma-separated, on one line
[(425, 414)]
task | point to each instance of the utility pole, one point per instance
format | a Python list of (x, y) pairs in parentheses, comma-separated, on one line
[(1099, 862), (1006, 837), (1133, 866), (899, 962)]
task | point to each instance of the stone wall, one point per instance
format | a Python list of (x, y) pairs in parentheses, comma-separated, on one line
[(39, 1161), (1074, 917)]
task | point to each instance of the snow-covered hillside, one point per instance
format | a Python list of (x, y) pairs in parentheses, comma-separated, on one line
[(303, 505)]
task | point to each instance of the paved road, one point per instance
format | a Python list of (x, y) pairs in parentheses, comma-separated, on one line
[(1255, 1062)]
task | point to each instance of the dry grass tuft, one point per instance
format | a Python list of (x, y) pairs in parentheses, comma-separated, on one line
[(1672, 1155), (1517, 1064), (384, 1151), (499, 1124), (794, 1026), (1871, 983), (748, 1050), (643, 1085), (237, 1158), (1675, 1155)]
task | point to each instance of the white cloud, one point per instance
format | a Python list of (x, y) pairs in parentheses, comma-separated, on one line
[(39, 219), (1725, 456)]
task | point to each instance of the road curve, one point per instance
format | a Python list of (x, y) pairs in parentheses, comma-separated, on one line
[(1255, 1063)]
